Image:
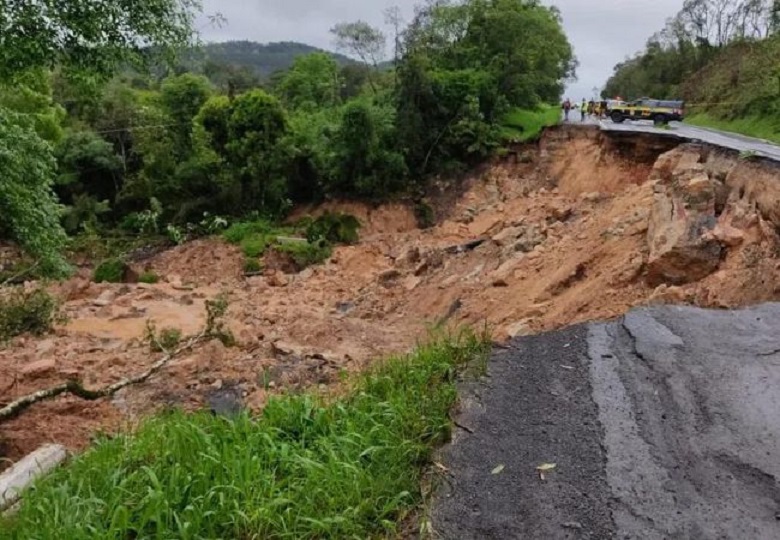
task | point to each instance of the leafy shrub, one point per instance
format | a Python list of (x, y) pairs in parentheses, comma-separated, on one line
[(26, 311), (175, 234), (110, 271), (253, 246), (336, 228), (306, 254), (168, 339), (426, 217), (29, 209), (148, 277), (237, 232), (252, 266)]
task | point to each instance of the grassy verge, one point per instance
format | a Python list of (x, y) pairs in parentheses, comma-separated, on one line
[(755, 126), (520, 125), (348, 468)]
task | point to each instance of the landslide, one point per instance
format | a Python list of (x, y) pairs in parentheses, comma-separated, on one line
[(575, 229)]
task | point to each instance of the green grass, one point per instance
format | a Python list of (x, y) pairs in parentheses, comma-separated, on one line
[(149, 278), (762, 127), (520, 125), (307, 468), (110, 271), (306, 253)]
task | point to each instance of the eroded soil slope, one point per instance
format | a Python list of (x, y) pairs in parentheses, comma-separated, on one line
[(580, 232)]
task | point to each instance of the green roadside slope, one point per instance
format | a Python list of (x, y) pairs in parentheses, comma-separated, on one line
[(308, 467), (739, 90)]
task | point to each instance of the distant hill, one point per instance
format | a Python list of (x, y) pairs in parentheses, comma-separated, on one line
[(261, 59)]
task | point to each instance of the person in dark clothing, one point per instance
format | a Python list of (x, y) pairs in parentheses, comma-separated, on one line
[(566, 109)]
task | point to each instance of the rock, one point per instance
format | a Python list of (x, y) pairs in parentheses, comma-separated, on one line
[(501, 275), (508, 236), (681, 248), (284, 348), (727, 235), (529, 240), (665, 294), (561, 213), (45, 347), (388, 276), (75, 289), (411, 256), (39, 368), (681, 158), (277, 279), (592, 197), (105, 298), (519, 328), (412, 283), (491, 228)]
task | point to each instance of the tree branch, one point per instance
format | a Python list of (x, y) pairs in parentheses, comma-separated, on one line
[(75, 387)]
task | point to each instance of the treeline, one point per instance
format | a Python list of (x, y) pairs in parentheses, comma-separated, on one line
[(696, 37), (85, 149)]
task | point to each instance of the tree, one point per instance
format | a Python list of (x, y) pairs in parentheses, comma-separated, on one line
[(394, 18), (88, 167), (464, 64), (360, 39), (87, 36), (313, 81), (30, 212), (364, 162), (183, 96)]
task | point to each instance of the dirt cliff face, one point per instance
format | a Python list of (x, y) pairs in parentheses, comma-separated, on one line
[(575, 233)]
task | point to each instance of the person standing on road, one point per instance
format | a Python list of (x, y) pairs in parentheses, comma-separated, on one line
[(583, 109), (566, 109)]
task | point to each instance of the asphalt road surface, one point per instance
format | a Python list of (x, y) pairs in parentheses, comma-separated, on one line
[(680, 130), (664, 424), (732, 141)]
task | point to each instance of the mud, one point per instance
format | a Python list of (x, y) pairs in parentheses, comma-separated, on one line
[(563, 241)]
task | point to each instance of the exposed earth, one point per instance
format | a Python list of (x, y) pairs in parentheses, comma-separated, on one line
[(581, 228)]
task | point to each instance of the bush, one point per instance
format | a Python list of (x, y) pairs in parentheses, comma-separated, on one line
[(148, 277), (426, 217), (168, 339), (110, 271), (252, 266), (237, 232), (306, 254), (336, 228), (23, 312), (253, 246)]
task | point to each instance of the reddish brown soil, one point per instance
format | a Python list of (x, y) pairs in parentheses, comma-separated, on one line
[(370, 300)]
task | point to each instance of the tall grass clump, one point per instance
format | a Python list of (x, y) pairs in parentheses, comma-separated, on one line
[(307, 468)]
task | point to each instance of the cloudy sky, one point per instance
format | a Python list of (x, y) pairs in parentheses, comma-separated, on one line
[(603, 32)]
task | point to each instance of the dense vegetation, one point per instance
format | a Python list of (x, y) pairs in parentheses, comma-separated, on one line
[(721, 56), (100, 136), (308, 468)]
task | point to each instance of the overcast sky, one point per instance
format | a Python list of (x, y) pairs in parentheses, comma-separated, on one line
[(603, 32)]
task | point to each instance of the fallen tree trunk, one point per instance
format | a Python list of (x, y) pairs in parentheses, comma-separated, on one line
[(75, 387), (16, 479)]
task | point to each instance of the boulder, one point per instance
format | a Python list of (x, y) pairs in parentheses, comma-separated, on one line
[(39, 368), (682, 248), (508, 236)]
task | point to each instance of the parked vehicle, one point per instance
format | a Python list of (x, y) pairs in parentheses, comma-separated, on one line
[(657, 110)]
